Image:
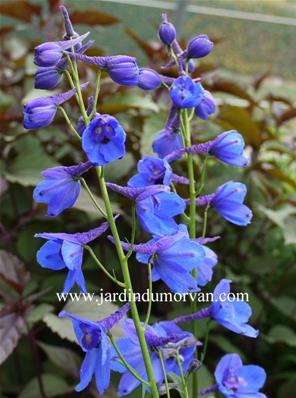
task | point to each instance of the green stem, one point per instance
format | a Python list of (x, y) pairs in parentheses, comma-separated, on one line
[(133, 236), (98, 86), (150, 296), (184, 383), (69, 122), (192, 223), (204, 230), (96, 204), (205, 345), (106, 272), (125, 363), (167, 389), (128, 284)]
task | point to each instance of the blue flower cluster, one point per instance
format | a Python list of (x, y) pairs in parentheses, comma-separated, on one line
[(180, 260)]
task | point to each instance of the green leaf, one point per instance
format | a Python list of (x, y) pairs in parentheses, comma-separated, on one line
[(225, 345), (38, 313), (65, 358), (282, 334), (120, 168), (54, 386), (26, 167), (153, 124)]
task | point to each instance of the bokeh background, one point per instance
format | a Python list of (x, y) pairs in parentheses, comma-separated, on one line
[(251, 73)]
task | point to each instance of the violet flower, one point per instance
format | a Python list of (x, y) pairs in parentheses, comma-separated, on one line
[(232, 314), (40, 112), (235, 380), (206, 107), (158, 336), (169, 139), (47, 77), (149, 79), (92, 338), (50, 53), (174, 257), (104, 140), (156, 207), (185, 93), (199, 47), (61, 187), (64, 250)]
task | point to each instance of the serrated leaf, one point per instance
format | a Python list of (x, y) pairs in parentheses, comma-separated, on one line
[(120, 168), (282, 334), (12, 327), (20, 9), (25, 169), (38, 312), (54, 386)]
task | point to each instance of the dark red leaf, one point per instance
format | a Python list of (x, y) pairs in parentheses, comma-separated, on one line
[(20, 9), (286, 116), (260, 79), (231, 88), (13, 271), (93, 17), (6, 29)]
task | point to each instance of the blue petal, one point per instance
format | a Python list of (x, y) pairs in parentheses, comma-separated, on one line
[(49, 256), (103, 365), (253, 378), (232, 361), (87, 369), (72, 254)]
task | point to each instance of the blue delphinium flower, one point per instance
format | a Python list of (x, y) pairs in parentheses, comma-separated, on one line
[(151, 171), (64, 250), (156, 207), (229, 148), (185, 93), (157, 337), (232, 314), (166, 31), (40, 112), (92, 338), (122, 69), (104, 140), (149, 79), (199, 47), (206, 107), (235, 380), (61, 187), (228, 202), (169, 139), (174, 257), (50, 53)]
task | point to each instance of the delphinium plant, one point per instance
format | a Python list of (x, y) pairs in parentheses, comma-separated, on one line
[(159, 357)]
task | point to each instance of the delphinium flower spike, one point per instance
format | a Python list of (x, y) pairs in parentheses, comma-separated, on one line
[(63, 250), (163, 336), (40, 112), (60, 188), (92, 338), (232, 314)]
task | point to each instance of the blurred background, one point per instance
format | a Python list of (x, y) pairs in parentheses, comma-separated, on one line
[(251, 73)]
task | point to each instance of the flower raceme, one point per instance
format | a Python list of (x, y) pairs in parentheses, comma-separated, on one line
[(233, 315), (235, 380), (174, 257), (103, 140), (92, 338), (156, 207), (64, 250), (40, 112), (60, 188), (158, 337)]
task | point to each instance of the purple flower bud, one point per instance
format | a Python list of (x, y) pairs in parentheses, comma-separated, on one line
[(121, 68), (49, 77), (40, 112), (148, 79), (199, 47), (69, 31), (207, 105), (166, 31), (229, 147), (185, 93), (50, 53)]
